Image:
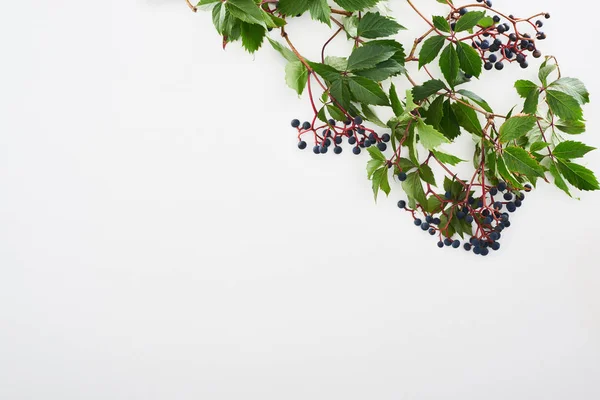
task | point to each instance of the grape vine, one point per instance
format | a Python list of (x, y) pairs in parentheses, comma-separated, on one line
[(513, 151)]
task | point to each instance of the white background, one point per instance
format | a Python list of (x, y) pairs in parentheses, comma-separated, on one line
[(161, 237)]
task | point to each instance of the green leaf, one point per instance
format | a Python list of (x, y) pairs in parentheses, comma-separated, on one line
[(578, 175), (374, 25), (382, 71), (570, 149), (365, 57), (356, 5), (410, 102), (449, 64), (414, 188), (296, 76), (467, 118), (320, 11), (573, 87), (531, 102), (545, 71), (478, 100), (571, 127), (426, 174), (380, 181), (370, 116), (292, 7), (469, 59), (327, 72), (469, 21), (524, 87), (429, 137), (563, 105), (430, 49), (340, 91), (395, 101), (520, 161), (486, 22), (516, 127), (435, 112), (247, 11), (284, 51), (367, 91), (336, 113), (558, 179), (441, 24), (339, 63), (372, 166), (506, 174), (447, 158), (252, 36), (537, 146), (427, 89), (449, 124)]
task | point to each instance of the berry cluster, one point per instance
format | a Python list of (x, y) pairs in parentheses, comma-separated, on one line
[(503, 41), (324, 136), (485, 217)]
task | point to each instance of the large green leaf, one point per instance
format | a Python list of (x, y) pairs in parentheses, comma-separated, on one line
[(573, 87), (427, 89), (516, 127), (365, 57), (520, 161), (430, 49), (367, 91), (449, 64), (374, 25), (578, 175), (569, 150), (469, 59), (564, 105)]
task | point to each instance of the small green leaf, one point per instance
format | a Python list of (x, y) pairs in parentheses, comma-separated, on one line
[(380, 181), (558, 179), (441, 24), (478, 100), (469, 21), (447, 158), (429, 137), (395, 101), (376, 154), (296, 76), (426, 174), (414, 188), (524, 87)]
